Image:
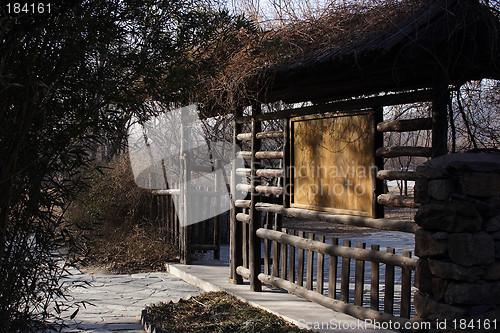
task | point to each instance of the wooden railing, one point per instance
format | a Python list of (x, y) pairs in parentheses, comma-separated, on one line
[(320, 270), (164, 214), (203, 236)]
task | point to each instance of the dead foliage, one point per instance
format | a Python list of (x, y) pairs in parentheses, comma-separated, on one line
[(350, 30), (343, 26), (215, 312), (111, 220)]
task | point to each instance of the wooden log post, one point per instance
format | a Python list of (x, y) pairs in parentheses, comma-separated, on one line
[(440, 117), (406, 289), (320, 280), (217, 189), (346, 272), (332, 272), (378, 184), (187, 195), (389, 285), (266, 248), (291, 257), (235, 227), (286, 183), (374, 285), (310, 265), (255, 221), (359, 276), (300, 264)]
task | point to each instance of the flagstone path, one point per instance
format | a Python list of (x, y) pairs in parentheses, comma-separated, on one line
[(116, 301)]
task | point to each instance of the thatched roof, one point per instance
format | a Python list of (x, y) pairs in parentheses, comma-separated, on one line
[(397, 46)]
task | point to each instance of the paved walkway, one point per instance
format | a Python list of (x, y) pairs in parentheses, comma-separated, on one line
[(119, 299), (212, 275)]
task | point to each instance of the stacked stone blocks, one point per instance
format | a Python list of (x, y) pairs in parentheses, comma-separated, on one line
[(458, 245)]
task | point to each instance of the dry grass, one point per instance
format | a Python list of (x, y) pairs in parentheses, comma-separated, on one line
[(342, 27), (216, 312), (111, 221), (131, 250)]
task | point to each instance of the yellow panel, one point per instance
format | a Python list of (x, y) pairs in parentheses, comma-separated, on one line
[(333, 163)]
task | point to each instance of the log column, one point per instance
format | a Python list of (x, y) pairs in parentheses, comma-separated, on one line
[(255, 220), (440, 118), (236, 230)]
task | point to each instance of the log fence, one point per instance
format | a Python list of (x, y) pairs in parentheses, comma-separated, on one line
[(305, 263), (203, 236)]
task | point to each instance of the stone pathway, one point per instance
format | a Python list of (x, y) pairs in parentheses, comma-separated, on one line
[(117, 300)]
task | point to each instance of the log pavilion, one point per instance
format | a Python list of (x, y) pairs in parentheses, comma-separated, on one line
[(332, 153), (417, 57)]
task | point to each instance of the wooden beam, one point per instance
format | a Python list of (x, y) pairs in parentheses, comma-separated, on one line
[(242, 203), (270, 173), (269, 154), (218, 200), (236, 230), (260, 172), (247, 155), (166, 192), (359, 221), (285, 181), (242, 217), (396, 175), (260, 189), (260, 135), (244, 272), (346, 105), (378, 141), (405, 125), (440, 117), (254, 215), (244, 136), (339, 306), (397, 200), (336, 250), (388, 152)]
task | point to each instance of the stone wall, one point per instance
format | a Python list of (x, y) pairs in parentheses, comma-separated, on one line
[(458, 273)]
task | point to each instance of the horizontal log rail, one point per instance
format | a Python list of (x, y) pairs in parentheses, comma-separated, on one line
[(405, 125), (247, 155), (243, 271), (336, 305), (359, 221), (388, 152), (397, 175), (244, 136), (242, 203), (397, 200), (260, 188), (344, 105), (245, 218), (337, 250), (260, 135), (243, 187), (260, 172), (166, 192), (269, 154)]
